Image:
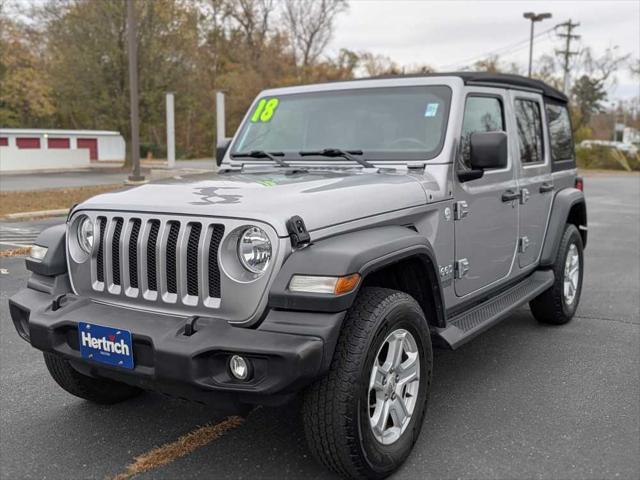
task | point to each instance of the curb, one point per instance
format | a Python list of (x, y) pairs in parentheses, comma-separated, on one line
[(39, 214)]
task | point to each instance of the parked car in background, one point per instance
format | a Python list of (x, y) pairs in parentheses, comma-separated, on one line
[(623, 147)]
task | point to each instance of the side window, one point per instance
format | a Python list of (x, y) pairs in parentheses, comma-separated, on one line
[(560, 132), (529, 123), (481, 114)]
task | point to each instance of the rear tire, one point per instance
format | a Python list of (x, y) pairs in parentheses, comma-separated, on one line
[(558, 304), (102, 391), (354, 425)]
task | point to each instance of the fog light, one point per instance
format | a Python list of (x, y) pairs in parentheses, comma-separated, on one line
[(239, 367)]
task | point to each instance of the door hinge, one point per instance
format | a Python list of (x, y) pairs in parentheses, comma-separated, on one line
[(523, 244), (461, 210), (462, 267), (524, 196)]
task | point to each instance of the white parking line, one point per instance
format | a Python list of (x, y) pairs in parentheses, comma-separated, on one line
[(18, 245)]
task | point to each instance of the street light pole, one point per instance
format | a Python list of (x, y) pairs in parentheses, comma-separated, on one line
[(534, 18), (133, 91)]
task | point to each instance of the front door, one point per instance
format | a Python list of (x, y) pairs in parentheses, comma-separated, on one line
[(534, 177), (486, 225)]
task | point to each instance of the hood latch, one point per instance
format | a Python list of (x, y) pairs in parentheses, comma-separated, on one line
[(298, 232)]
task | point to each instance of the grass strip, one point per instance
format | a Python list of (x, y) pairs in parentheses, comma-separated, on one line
[(36, 200), (184, 445)]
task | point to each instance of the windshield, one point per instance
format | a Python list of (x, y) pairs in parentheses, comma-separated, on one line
[(395, 123)]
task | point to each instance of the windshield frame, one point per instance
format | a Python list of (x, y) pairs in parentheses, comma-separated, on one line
[(373, 156)]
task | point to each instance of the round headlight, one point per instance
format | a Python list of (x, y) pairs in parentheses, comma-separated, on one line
[(85, 234), (254, 250)]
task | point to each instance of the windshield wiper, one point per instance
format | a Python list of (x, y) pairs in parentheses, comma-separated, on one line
[(336, 152), (273, 156)]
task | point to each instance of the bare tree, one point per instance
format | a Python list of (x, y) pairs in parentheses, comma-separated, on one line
[(253, 18), (604, 67), (310, 26), (376, 65)]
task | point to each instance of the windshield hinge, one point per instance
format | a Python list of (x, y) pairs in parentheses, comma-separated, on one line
[(298, 232)]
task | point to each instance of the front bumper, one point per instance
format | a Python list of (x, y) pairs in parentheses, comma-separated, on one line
[(288, 350)]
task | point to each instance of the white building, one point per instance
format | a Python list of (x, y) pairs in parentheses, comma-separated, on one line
[(23, 149), (631, 135)]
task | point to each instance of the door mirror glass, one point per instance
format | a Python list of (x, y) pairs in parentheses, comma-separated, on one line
[(221, 149), (488, 150)]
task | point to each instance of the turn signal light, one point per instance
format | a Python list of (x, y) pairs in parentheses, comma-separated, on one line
[(347, 284), (330, 285), (580, 184)]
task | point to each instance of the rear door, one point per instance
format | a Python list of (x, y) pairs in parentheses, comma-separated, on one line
[(486, 227), (535, 183)]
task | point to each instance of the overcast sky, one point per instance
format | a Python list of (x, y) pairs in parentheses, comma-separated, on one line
[(450, 34)]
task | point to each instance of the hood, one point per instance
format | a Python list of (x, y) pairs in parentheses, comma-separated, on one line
[(321, 198)]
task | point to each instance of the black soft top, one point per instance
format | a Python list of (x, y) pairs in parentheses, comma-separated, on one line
[(509, 80), (503, 80)]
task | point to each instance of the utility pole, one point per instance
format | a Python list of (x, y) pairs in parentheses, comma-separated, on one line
[(567, 53), (135, 176), (534, 17)]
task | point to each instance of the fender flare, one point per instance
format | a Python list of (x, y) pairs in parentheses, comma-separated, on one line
[(363, 252), (564, 201)]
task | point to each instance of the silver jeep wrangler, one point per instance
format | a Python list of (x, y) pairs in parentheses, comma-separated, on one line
[(350, 226)]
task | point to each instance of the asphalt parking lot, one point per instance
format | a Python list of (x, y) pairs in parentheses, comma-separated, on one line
[(521, 401)]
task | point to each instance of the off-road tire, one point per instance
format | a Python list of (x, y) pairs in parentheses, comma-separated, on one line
[(551, 306), (102, 391), (335, 410)]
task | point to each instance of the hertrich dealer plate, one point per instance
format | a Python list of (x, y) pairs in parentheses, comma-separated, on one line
[(108, 345)]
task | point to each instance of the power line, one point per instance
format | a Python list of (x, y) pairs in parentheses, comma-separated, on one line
[(504, 50), (567, 53)]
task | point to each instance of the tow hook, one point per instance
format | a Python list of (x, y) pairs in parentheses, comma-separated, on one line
[(190, 326), (56, 303)]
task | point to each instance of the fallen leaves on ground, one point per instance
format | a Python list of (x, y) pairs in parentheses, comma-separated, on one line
[(38, 200), (15, 252), (182, 446)]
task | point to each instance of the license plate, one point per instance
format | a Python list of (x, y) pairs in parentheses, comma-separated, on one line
[(111, 346)]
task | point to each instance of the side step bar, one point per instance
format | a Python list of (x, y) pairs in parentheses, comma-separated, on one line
[(467, 325)]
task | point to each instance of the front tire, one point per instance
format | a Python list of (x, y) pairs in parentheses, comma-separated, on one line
[(363, 418), (559, 304), (96, 390)]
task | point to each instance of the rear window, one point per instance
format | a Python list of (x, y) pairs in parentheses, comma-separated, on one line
[(560, 132)]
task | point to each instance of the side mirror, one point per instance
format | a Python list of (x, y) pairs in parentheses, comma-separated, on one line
[(488, 150), (221, 149)]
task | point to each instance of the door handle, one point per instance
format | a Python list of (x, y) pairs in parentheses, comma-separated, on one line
[(510, 195), (546, 187)]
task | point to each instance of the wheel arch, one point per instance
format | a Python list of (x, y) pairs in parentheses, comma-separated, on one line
[(569, 206), (416, 276)]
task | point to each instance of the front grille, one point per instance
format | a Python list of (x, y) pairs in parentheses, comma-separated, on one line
[(152, 278), (133, 253), (115, 247), (192, 259), (158, 259), (214, 270), (102, 222), (172, 257)]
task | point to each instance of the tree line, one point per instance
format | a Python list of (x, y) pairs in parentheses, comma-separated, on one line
[(63, 63)]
